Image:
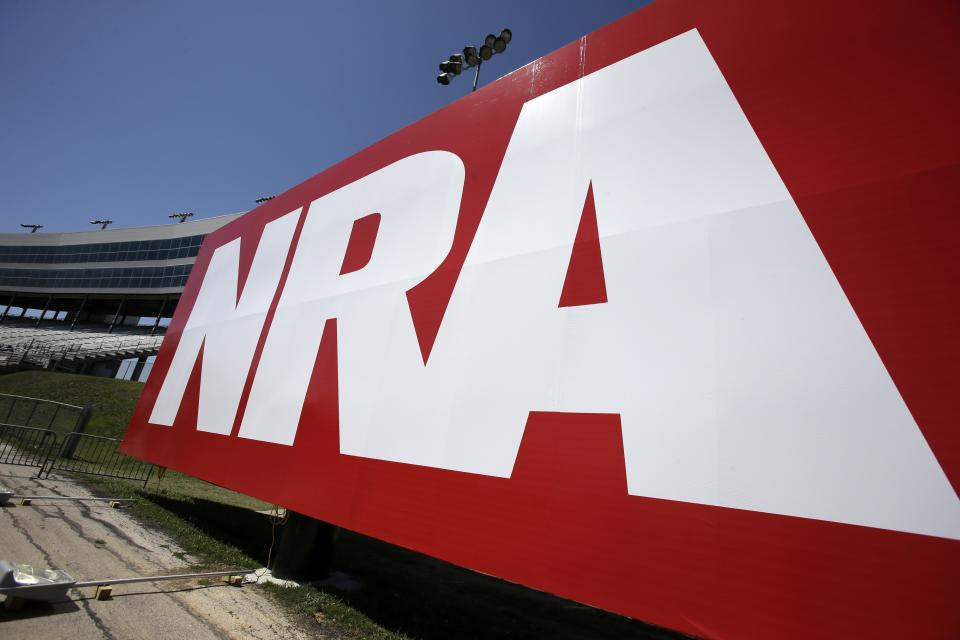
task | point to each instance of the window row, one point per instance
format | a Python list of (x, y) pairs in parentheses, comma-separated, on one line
[(127, 278), (104, 252)]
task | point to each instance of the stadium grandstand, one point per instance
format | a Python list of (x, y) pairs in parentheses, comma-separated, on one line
[(94, 302)]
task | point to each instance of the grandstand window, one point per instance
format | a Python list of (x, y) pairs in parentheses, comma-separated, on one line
[(167, 249), (127, 278)]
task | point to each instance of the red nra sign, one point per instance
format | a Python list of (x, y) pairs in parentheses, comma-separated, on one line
[(670, 329)]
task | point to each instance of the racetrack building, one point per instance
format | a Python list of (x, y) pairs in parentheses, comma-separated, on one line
[(89, 300)]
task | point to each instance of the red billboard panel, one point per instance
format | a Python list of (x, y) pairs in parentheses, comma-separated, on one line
[(663, 322)]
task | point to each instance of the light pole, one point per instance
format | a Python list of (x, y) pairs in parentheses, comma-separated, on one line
[(181, 217), (473, 57), (103, 223), (33, 227)]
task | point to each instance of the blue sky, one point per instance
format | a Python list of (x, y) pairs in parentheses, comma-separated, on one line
[(132, 110)]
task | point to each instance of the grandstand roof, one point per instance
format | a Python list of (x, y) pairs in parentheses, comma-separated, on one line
[(112, 282), (149, 261)]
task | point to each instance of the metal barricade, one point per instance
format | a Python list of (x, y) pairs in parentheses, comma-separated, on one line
[(27, 446), (29, 430), (97, 455), (41, 414)]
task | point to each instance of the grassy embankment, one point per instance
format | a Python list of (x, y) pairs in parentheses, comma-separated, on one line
[(220, 527)]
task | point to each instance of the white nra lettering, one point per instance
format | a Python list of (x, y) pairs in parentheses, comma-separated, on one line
[(418, 199), (226, 328), (742, 376)]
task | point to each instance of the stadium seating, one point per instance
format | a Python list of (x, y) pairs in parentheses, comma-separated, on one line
[(56, 345)]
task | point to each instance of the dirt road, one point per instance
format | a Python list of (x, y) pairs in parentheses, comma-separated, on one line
[(92, 541)]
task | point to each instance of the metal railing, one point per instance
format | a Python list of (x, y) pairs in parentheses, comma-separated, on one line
[(26, 446), (96, 455), (43, 354), (41, 414), (10, 357), (49, 435)]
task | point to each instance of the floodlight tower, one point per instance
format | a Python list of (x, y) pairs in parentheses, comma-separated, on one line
[(33, 227), (181, 217), (103, 223), (473, 57)]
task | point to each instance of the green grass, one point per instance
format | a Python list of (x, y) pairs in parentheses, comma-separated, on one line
[(327, 608), (113, 400)]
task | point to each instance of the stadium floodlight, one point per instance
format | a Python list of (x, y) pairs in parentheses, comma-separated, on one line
[(103, 223), (33, 227), (264, 199), (470, 56), (181, 217), (451, 67), (473, 57)]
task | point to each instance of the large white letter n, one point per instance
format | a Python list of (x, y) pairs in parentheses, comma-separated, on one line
[(228, 327)]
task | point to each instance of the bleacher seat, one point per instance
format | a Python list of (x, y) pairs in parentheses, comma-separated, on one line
[(53, 343)]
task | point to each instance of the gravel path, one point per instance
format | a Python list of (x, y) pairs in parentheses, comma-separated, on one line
[(92, 541)]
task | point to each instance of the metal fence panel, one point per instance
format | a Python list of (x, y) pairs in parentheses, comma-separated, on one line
[(41, 414), (27, 446), (49, 435), (97, 455)]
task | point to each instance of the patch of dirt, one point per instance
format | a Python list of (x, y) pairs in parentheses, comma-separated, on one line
[(91, 540)]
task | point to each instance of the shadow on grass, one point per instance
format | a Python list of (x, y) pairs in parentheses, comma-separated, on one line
[(430, 599), (244, 529), (417, 595)]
